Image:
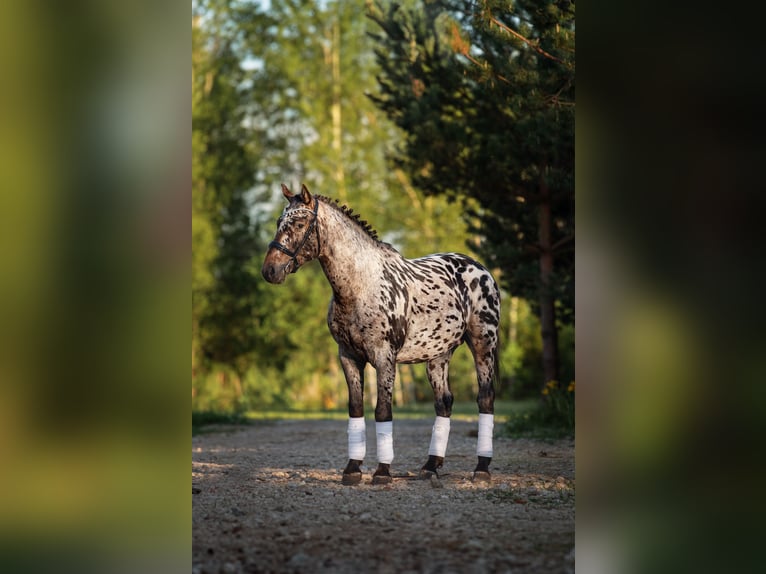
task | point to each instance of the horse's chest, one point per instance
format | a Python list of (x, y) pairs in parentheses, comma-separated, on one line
[(344, 330)]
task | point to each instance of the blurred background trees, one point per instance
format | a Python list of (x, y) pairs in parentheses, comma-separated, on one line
[(435, 122)]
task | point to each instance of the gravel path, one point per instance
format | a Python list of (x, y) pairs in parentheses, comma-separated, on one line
[(268, 498)]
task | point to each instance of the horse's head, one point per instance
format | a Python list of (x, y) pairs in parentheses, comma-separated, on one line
[(297, 239)]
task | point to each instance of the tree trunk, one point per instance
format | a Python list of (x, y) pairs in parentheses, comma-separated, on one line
[(547, 301), (335, 113)]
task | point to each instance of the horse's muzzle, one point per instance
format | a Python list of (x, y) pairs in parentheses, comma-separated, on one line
[(273, 273)]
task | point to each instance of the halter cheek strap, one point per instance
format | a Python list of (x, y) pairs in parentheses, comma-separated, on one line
[(293, 254)]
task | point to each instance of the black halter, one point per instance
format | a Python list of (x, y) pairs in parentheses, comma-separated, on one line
[(294, 254)]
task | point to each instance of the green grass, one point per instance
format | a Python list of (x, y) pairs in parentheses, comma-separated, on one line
[(504, 410), (537, 422), (202, 421), (514, 418)]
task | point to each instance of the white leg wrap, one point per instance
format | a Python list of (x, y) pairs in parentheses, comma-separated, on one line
[(439, 437), (484, 444), (357, 438), (385, 434)]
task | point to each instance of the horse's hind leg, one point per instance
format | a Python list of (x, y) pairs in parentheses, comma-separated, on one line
[(438, 375), (484, 349)]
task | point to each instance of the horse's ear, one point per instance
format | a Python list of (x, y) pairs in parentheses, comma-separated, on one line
[(286, 192), (305, 195)]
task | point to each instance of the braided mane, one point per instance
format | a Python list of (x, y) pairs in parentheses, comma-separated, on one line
[(355, 217)]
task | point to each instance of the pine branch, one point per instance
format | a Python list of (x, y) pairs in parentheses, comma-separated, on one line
[(561, 242), (480, 65), (529, 42)]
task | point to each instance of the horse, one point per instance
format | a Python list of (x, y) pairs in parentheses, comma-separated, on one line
[(385, 310)]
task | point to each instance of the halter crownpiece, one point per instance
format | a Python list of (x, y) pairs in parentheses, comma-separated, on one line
[(294, 254)]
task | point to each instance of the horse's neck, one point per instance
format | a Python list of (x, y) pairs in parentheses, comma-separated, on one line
[(350, 259)]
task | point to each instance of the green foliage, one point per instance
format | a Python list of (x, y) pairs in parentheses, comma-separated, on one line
[(520, 351), (567, 350), (225, 290), (552, 417), (280, 94), (203, 420)]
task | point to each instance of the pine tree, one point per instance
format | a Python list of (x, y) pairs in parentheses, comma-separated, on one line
[(485, 93)]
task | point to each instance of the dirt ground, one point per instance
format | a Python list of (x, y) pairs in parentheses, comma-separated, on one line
[(268, 498)]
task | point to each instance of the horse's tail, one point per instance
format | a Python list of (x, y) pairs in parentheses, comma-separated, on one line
[(496, 365)]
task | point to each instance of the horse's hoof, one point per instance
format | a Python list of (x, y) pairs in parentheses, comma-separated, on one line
[(481, 476), (351, 478), (481, 472), (352, 474), (382, 479), (383, 474), (429, 468)]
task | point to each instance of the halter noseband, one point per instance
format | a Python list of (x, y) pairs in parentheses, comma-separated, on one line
[(294, 254)]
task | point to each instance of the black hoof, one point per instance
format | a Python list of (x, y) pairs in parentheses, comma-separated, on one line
[(352, 474), (481, 476), (351, 478), (382, 474), (430, 467), (481, 472)]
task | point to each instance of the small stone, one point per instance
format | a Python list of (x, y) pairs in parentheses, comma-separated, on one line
[(474, 543), (299, 561)]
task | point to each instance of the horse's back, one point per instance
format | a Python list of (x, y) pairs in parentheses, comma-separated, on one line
[(463, 275)]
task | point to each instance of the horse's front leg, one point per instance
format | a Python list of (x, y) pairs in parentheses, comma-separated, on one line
[(384, 429), (353, 369)]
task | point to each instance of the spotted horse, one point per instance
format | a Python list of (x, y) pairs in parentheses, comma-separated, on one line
[(385, 310)]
